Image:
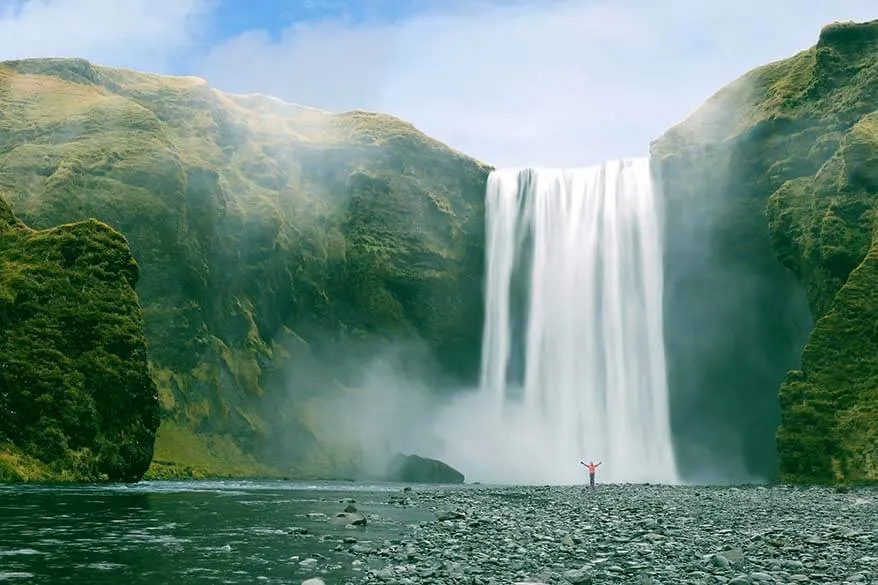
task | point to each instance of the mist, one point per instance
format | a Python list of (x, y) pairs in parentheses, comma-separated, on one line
[(735, 321), (386, 412), (508, 448), (397, 406), (393, 401), (392, 411), (735, 318), (590, 379)]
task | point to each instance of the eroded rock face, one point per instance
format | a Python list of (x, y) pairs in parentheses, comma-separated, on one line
[(416, 469), (771, 195), (76, 399)]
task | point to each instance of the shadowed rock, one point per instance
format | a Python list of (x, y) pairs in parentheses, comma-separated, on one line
[(416, 469)]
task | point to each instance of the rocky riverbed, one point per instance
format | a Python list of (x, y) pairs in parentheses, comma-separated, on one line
[(638, 534)]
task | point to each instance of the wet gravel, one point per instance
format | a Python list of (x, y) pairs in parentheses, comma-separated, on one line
[(638, 534)]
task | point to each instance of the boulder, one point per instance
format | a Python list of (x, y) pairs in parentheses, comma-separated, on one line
[(416, 469)]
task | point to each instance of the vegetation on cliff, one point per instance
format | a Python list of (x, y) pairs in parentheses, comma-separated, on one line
[(278, 245), (787, 156), (76, 398)]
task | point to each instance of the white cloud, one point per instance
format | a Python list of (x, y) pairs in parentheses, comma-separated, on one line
[(146, 34), (513, 82), (541, 82)]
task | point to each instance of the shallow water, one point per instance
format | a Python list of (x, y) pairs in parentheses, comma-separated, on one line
[(189, 532)]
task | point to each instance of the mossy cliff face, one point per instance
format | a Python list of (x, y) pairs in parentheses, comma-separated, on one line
[(76, 398), (771, 190), (278, 245)]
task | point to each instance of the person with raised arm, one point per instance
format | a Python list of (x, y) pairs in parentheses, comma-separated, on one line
[(592, 467)]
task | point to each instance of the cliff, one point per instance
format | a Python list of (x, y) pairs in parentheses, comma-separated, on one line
[(771, 189), (280, 247), (76, 399)]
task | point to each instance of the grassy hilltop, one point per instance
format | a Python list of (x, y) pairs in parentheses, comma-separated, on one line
[(783, 164), (76, 398), (276, 242)]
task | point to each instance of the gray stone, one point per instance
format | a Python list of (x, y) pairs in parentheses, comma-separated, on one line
[(450, 515), (344, 518), (735, 555), (385, 574), (581, 576), (489, 536)]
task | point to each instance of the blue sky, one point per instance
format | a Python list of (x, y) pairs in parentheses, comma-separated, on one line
[(512, 82), (232, 17)]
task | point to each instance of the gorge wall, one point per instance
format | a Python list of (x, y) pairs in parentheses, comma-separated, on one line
[(281, 247), (283, 250), (76, 399), (771, 207)]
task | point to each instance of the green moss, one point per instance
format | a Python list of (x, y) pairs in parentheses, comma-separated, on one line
[(76, 395), (271, 237), (183, 454), (840, 375), (790, 150), (17, 466)]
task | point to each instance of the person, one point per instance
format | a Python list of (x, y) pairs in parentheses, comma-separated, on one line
[(592, 467)]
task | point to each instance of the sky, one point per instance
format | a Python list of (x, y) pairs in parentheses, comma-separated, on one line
[(510, 82)]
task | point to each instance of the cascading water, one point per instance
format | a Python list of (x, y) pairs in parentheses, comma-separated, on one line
[(573, 363)]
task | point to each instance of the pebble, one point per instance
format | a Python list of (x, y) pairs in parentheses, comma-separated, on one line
[(641, 534)]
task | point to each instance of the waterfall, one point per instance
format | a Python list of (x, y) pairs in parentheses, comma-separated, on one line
[(573, 363)]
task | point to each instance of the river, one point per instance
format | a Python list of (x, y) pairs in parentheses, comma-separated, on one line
[(191, 532)]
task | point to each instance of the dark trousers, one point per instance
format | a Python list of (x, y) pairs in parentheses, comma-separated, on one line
[(591, 480)]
